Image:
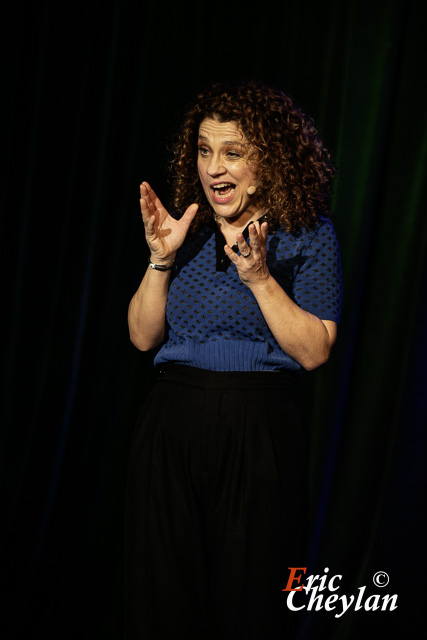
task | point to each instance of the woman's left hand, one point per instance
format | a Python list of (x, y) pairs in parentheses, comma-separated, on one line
[(302, 335), (251, 264)]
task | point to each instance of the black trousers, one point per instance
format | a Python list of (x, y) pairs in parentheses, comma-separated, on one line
[(216, 507)]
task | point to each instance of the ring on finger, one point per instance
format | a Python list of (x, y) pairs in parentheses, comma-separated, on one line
[(246, 255)]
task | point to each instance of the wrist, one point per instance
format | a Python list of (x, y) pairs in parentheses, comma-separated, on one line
[(161, 265), (262, 284), (160, 260)]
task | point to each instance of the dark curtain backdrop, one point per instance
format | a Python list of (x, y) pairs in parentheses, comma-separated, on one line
[(91, 93)]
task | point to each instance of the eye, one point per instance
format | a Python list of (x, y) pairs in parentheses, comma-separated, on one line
[(233, 155), (203, 151)]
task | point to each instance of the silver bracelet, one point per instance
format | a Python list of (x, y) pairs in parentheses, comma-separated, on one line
[(160, 267)]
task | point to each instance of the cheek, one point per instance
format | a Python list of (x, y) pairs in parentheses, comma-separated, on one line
[(200, 172), (251, 178), (249, 174), (203, 181)]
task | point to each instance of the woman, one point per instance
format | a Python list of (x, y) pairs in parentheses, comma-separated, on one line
[(243, 293)]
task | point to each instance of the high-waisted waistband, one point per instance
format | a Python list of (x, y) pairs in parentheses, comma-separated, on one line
[(203, 378)]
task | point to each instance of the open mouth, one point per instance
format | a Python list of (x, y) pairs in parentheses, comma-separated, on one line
[(223, 191)]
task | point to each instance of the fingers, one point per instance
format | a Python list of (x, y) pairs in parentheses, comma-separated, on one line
[(231, 254), (151, 201), (251, 263), (243, 247), (264, 232), (147, 191), (256, 248), (146, 201), (248, 252), (153, 212), (189, 214), (258, 234)]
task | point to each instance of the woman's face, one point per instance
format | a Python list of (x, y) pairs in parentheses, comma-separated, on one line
[(224, 171)]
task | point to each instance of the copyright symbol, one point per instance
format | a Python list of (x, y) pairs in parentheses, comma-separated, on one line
[(381, 579)]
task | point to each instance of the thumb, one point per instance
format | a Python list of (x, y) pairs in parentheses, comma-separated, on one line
[(189, 214)]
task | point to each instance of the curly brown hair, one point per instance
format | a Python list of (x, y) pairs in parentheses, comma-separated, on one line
[(294, 169)]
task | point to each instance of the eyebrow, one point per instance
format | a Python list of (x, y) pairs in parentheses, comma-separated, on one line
[(226, 142)]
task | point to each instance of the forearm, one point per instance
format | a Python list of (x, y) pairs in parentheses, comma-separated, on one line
[(164, 236), (147, 310), (302, 335)]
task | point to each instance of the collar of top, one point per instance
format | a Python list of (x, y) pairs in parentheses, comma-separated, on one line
[(222, 260)]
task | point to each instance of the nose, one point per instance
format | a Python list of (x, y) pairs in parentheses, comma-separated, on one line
[(215, 166)]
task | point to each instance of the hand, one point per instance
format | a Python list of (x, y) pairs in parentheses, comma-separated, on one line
[(163, 233), (253, 269)]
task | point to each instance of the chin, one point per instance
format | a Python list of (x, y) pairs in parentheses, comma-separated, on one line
[(227, 211)]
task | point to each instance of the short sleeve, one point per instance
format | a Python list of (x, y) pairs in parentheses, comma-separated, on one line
[(317, 285)]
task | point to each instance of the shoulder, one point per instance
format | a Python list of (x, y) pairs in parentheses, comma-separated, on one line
[(323, 227), (303, 241)]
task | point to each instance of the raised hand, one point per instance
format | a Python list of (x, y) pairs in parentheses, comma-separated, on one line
[(252, 262), (163, 233)]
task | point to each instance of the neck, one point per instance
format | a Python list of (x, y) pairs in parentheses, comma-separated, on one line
[(230, 227)]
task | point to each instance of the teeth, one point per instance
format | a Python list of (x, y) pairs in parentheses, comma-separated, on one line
[(223, 185)]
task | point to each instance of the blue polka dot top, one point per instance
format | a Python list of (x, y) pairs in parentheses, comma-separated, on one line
[(213, 319)]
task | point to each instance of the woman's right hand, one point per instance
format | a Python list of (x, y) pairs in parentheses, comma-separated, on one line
[(163, 233)]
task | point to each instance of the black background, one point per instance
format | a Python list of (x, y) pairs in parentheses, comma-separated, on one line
[(91, 92)]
